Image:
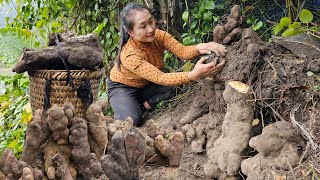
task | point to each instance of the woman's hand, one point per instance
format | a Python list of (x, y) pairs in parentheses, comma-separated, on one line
[(202, 70), (208, 48)]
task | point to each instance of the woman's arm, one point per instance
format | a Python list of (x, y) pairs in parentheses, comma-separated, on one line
[(189, 52), (140, 67), (175, 47)]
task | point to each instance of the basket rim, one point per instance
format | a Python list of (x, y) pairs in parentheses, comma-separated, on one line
[(63, 70), (63, 74)]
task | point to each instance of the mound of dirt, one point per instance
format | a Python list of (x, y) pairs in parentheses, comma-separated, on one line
[(282, 90), (258, 119)]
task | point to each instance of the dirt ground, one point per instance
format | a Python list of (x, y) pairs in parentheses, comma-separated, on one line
[(281, 90)]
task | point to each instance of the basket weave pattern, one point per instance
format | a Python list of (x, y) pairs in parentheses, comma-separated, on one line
[(60, 92)]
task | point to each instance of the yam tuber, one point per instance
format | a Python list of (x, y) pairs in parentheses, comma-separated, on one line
[(189, 132), (152, 155), (126, 155), (62, 168), (87, 164), (278, 148), (230, 25), (26, 174), (225, 156), (235, 12), (97, 128), (195, 133), (230, 31), (58, 123), (119, 125), (51, 149), (171, 149), (219, 34), (32, 143), (152, 128), (234, 35), (9, 165), (69, 111)]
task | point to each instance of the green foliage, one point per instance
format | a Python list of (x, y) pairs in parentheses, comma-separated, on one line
[(200, 21), (258, 26), (12, 41), (15, 112), (288, 28), (171, 62), (306, 16)]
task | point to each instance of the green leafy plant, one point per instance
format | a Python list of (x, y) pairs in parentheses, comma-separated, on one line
[(287, 27), (255, 23), (15, 112), (200, 21), (12, 41)]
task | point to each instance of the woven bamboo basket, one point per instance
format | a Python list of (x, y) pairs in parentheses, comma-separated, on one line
[(60, 92)]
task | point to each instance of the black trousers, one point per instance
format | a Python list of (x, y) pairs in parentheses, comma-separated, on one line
[(127, 101)]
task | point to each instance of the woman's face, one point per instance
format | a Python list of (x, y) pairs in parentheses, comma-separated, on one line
[(144, 26)]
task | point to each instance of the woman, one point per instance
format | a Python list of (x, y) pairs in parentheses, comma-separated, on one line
[(136, 82)]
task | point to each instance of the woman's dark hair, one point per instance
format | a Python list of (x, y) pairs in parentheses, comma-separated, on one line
[(126, 25)]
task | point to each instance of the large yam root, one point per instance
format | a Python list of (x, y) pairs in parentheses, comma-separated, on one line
[(37, 134), (62, 167), (39, 117), (12, 169), (172, 149), (32, 143), (234, 35), (51, 149), (116, 125), (97, 128), (27, 174), (126, 155), (152, 128), (152, 155), (78, 54), (213, 128), (87, 164), (69, 112), (278, 149), (58, 123), (47, 146), (10, 166), (254, 46), (219, 34), (195, 133), (229, 32), (225, 156)]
